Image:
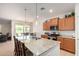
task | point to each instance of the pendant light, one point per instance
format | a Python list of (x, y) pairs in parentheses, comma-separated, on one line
[(25, 14), (36, 15), (24, 24), (28, 34), (42, 9)]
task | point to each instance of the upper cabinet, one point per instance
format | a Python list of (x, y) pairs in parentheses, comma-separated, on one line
[(61, 24), (53, 22), (64, 24), (50, 22), (70, 23), (67, 24), (46, 26)]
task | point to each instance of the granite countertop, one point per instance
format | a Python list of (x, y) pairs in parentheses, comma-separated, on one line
[(38, 47), (67, 36)]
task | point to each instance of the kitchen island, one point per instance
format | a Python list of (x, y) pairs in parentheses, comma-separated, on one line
[(43, 47)]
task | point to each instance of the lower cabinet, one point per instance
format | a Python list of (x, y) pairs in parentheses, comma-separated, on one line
[(67, 44), (61, 42), (44, 36)]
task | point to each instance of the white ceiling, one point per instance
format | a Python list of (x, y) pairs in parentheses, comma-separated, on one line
[(16, 11)]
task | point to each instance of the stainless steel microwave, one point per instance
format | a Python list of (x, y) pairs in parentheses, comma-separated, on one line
[(53, 28)]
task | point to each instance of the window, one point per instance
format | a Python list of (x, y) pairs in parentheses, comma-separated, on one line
[(20, 29)]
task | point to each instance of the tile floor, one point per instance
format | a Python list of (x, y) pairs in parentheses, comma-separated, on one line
[(65, 53), (6, 49)]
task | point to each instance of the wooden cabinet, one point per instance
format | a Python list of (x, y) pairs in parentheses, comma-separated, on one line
[(44, 36), (46, 26), (67, 24), (70, 23), (61, 24), (61, 42), (53, 22), (67, 44), (50, 22)]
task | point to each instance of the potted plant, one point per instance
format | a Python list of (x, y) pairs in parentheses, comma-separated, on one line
[(73, 13)]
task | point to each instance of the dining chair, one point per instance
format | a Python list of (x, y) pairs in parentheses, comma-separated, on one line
[(21, 49)]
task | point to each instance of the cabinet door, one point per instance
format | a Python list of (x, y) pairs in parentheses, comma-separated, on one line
[(45, 26), (61, 42), (44, 36), (53, 22), (61, 24), (69, 44), (48, 25), (70, 23), (66, 24)]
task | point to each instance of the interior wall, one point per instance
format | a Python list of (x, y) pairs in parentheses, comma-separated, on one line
[(77, 28), (67, 33), (0, 27), (5, 27)]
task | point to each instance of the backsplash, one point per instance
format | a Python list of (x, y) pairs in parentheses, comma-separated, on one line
[(67, 33), (64, 33)]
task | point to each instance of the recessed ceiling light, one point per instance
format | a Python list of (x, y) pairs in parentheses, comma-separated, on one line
[(50, 10), (37, 16), (42, 8), (36, 22)]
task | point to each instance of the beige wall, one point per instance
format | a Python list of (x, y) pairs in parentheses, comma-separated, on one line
[(5, 26), (0, 27)]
